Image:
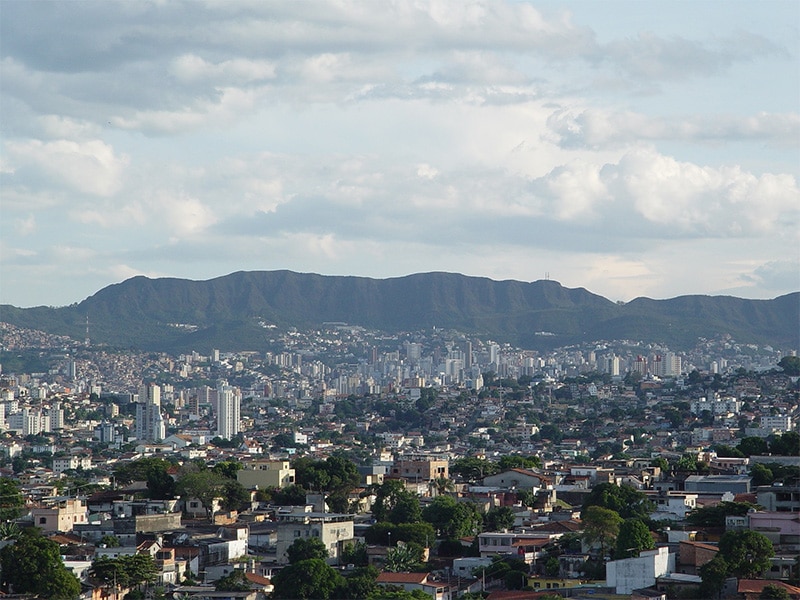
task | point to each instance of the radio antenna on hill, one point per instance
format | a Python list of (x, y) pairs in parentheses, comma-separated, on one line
[(86, 339), (546, 276)]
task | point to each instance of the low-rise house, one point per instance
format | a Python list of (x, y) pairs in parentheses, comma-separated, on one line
[(673, 505), (414, 581), (518, 479), (640, 571)]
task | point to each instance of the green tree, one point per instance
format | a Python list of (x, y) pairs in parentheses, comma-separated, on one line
[(713, 575), (389, 533), (234, 495), (441, 485), (227, 468), (311, 578), (403, 558), (634, 536), (291, 495), (790, 365), (110, 541), (746, 552), (473, 469), (498, 518), (761, 474), (235, 581), (774, 592), (360, 583), (452, 518), (515, 461), (160, 484), (714, 516), (551, 567), (33, 565), (355, 553), (600, 526), (660, 462), (625, 500), (11, 500), (787, 444), (306, 548), (395, 504), (753, 446), (204, 485)]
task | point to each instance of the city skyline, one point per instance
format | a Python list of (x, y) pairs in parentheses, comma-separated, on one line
[(630, 151)]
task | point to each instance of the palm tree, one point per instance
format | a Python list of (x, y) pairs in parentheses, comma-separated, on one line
[(441, 485)]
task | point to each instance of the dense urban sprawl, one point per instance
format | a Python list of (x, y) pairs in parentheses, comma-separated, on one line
[(348, 463)]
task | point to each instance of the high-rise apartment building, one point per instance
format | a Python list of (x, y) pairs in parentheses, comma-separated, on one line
[(150, 425), (228, 403), (56, 414)]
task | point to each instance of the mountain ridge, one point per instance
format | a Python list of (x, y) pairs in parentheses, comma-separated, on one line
[(172, 313)]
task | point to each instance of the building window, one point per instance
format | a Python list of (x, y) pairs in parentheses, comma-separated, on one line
[(42, 520)]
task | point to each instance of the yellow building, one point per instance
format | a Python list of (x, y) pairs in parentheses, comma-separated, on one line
[(264, 474)]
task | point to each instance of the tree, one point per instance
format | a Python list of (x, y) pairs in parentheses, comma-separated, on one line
[(714, 516), (753, 446), (33, 565), (234, 495), (306, 548), (160, 484), (552, 567), (11, 500), (291, 495), (235, 581), (110, 541), (227, 468), (360, 583), (403, 558), (441, 485), (634, 536), (128, 570), (600, 525), (395, 504), (790, 365), (787, 444), (746, 552), (498, 518), (312, 578), (473, 469), (774, 592), (355, 553), (713, 574), (515, 461), (452, 518), (661, 463), (204, 485), (389, 533), (627, 501), (761, 474)]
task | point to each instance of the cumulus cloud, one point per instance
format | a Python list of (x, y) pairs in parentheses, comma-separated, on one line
[(91, 166)]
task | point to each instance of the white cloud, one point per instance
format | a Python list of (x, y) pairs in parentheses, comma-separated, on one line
[(25, 226), (597, 128), (90, 167)]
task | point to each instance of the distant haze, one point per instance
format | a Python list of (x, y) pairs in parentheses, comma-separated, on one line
[(633, 149)]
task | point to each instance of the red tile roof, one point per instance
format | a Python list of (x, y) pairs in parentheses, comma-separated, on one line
[(400, 578)]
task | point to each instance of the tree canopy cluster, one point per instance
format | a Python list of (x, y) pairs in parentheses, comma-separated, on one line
[(32, 564)]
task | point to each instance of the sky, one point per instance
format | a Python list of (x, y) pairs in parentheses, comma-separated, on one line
[(629, 148)]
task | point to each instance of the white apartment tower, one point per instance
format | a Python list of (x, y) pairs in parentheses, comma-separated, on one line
[(150, 425), (228, 403)]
